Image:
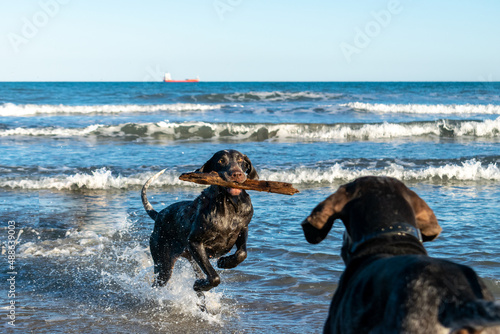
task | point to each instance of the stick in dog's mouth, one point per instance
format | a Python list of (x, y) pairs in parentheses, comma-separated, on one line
[(249, 184)]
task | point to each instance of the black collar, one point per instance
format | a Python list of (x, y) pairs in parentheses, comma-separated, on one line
[(395, 229)]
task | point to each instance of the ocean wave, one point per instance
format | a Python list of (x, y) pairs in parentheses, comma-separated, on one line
[(273, 96), (89, 243), (10, 109), (99, 179), (488, 109), (470, 170), (265, 131), (104, 179)]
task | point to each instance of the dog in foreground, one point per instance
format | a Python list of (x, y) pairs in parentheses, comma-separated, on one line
[(390, 284), (207, 227)]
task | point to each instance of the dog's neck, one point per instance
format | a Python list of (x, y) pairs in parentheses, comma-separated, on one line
[(394, 229), (221, 196), (395, 239), (382, 245)]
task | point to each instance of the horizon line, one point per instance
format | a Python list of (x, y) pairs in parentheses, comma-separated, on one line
[(252, 81)]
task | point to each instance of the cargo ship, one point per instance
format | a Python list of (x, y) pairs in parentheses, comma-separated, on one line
[(168, 78)]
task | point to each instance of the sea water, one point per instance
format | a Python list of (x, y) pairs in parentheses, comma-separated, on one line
[(74, 156)]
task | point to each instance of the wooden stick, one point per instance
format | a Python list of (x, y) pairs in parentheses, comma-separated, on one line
[(257, 185)]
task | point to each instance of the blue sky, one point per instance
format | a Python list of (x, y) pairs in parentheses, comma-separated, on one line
[(250, 40)]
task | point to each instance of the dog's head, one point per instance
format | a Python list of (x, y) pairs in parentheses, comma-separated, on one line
[(371, 204), (231, 165)]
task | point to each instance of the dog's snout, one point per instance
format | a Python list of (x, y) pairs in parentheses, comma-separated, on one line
[(237, 176)]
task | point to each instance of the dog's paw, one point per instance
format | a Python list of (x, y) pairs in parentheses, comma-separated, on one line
[(228, 262), (205, 284), (201, 285), (224, 262), (231, 261)]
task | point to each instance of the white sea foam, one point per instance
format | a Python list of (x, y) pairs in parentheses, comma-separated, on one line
[(177, 294), (10, 109), (51, 131), (88, 241), (133, 271), (487, 128), (470, 170), (263, 131), (458, 109), (100, 179), (103, 179), (75, 243), (130, 266)]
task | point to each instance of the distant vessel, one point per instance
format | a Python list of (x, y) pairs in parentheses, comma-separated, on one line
[(168, 78)]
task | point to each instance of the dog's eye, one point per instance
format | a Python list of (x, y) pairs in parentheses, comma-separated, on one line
[(240, 159), (222, 161)]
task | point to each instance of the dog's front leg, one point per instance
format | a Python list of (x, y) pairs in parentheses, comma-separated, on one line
[(197, 250), (231, 261)]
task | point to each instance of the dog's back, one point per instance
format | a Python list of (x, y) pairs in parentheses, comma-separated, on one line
[(410, 294)]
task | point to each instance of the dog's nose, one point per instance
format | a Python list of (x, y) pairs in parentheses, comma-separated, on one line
[(237, 176)]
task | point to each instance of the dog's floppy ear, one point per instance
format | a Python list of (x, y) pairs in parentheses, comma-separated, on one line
[(320, 221), (426, 220), (251, 172), (208, 166)]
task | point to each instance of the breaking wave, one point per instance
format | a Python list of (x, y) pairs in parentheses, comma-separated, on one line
[(274, 96), (218, 101), (99, 179), (104, 179), (10, 109), (264, 131), (470, 170), (458, 109)]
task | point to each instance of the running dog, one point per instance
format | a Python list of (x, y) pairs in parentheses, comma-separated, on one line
[(207, 227)]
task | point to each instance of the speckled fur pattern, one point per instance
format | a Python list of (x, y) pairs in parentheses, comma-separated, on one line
[(207, 227)]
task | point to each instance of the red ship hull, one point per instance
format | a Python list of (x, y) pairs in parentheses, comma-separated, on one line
[(187, 80)]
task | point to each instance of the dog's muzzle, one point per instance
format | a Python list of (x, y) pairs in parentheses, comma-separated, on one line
[(235, 176)]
